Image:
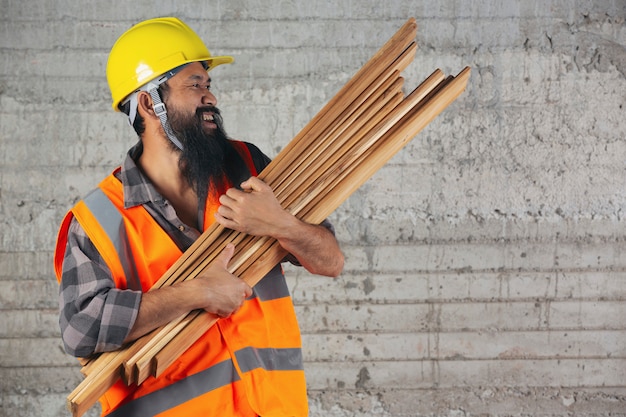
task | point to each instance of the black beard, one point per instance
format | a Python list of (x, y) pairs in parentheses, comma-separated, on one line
[(208, 159)]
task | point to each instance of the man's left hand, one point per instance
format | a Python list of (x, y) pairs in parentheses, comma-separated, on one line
[(253, 210)]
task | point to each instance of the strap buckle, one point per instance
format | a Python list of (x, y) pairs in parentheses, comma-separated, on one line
[(159, 109)]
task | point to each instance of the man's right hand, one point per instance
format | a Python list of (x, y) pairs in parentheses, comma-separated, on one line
[(224, 293), (215, 290)]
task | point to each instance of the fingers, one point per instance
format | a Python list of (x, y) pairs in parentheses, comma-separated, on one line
[(254, 184), (224, 210), (229, 203), (253, 209), (229, 197), (229, 311)]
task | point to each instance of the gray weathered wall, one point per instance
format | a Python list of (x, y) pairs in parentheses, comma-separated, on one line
[(486, 263)]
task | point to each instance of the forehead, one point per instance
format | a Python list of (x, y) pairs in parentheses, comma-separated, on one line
[(191, 72)]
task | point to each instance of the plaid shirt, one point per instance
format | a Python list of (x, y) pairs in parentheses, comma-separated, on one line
[(95, 315)]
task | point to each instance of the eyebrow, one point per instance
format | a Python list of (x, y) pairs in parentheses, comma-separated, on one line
[(198, 77)]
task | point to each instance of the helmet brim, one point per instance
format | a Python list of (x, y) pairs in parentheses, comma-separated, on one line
[(214, 61)]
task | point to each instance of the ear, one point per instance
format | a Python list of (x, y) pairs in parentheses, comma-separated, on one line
[(144, 106)]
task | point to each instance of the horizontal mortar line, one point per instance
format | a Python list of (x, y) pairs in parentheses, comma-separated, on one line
[(434, 331), (56, 166), (77, 365), (96, 105), (20, 279), (43, 310), (231, 81), (233, 50), (449, 330), (461, 271), (42, 278), (575, 239), (370, 360), (461, 358), (40, 252), (545, 240), (482, 387), (466, 270), (33, 337), (361, 332), (425, 331), (64, 19), (365, 302), (56, 49)]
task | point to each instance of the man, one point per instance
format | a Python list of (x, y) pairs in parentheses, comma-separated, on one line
[(183, 175)]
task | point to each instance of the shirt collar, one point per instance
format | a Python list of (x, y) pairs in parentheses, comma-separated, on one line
[(138, 189)]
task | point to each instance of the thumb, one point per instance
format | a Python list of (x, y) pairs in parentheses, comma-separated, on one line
[(224, 257), (251, 184)]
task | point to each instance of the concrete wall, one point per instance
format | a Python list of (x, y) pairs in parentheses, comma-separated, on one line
[(486, 263)]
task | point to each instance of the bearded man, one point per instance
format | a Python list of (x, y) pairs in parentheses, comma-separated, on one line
[(183, 175)]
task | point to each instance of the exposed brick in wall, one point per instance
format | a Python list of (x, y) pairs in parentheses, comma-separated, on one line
[(486, 263)]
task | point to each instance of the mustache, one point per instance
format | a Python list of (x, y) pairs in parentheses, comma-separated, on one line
[(208, 108), (217, 114)]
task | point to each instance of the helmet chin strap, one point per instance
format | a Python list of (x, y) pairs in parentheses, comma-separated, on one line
[(157, 104), (160, 110)]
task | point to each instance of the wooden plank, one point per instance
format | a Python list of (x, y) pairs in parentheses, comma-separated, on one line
[(322, 135), (346, 95), (357, 147), (396, 138)]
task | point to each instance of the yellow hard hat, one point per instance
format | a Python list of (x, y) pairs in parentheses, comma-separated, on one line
[(150, 49)]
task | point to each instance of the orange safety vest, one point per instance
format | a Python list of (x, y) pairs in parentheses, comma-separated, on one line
[(246, 365)]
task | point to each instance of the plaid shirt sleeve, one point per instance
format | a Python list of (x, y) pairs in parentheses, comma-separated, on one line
[(95, 316)]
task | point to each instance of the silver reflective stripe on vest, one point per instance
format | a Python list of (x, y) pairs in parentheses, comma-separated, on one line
[(269, 359), (180, 392), (272, 286), (112, 223), (217, 376)]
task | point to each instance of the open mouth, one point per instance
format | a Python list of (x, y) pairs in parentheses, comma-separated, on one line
[(209, 116)]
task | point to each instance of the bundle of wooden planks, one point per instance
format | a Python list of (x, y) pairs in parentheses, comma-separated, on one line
[(367, 122)]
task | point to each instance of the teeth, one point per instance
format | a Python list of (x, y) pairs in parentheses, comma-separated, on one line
[(207, 117)]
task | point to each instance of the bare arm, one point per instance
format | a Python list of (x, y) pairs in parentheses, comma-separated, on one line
[(256, 211), (215, 290)]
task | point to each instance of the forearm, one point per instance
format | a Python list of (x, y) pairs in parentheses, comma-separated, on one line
[(314, 246), (255, 210), (159, 307), (214, 290)]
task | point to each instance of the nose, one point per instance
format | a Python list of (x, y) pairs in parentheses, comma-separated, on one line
[(209, 98)]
